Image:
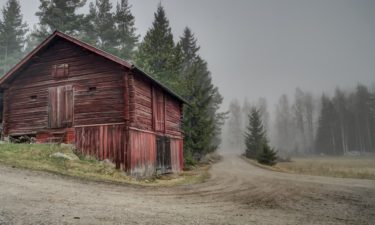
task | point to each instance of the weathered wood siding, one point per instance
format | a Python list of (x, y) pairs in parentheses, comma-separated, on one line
[(177, 155), (152, 109), (142, 154), (140, 105), (102, 142), (173, 116), (97, 89)]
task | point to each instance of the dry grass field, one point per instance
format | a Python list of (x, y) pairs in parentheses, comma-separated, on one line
[(362, 167)]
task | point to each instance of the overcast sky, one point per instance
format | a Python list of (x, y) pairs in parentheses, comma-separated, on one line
[(270, 47)]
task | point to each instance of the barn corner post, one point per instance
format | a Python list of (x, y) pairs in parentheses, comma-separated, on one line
[(4, 99), (126, 151)]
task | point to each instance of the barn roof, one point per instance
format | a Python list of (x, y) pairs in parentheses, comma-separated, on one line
[(57, 34)]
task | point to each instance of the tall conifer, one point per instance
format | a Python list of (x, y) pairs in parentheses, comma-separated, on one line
[(12, 35), (59, 15), (255, 136), (157, 53), (202, 121), (127, 39)]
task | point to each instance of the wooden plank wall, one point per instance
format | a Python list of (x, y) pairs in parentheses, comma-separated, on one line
[(153, 109), (103, 105), (173, 117), (177, 158), (140, 106), (102, 142), (142, 156)]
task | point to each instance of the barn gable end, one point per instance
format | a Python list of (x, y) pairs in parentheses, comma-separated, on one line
[(68, 91)]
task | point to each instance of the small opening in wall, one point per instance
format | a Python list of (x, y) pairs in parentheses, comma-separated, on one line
[(33, 97), (91, 89)]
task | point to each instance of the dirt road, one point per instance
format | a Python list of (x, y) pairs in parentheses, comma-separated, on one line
[(237, 193)]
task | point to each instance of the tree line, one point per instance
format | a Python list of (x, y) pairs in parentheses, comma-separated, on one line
[(329, 125), (112, 28)]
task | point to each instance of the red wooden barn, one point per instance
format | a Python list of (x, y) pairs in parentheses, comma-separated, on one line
[(68, 91)]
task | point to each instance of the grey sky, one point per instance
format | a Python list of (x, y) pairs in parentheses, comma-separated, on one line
[(269, 47)]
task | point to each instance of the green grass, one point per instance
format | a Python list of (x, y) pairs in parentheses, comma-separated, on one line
[(37, 157), (345, 167)]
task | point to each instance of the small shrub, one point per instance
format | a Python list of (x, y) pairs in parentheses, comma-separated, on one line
[(267, 156), (189, 159)]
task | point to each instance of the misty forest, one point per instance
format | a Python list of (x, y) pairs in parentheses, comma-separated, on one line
[(341, 124)]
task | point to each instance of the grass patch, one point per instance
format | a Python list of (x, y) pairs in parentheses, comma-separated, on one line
[(344, 167), (37, 157)]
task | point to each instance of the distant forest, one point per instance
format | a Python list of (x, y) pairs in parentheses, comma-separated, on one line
[(111, 28), (329, 125)]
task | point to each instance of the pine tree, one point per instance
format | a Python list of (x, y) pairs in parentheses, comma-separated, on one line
[(12, 35), (100, 28), (255, 135), (198, 123), (59, 15), (326, 139), (157, 53), (202, 121), (127, 39), (267, 155)]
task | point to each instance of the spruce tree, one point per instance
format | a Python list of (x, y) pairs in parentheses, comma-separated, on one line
[(157, 53), (100, 28), (126, 37), (202, 121), (267, 155), (255, 135), (327, 137), (59, 15), (12, 35)]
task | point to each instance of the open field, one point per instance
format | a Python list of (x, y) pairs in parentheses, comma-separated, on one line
[(37, 157), (346, 167)]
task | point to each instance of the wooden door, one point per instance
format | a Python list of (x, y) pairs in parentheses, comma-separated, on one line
[(158, 110), (60, 107), (163, 155)]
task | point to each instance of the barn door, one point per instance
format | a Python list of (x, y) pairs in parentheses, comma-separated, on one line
[(60, 102), (158, 110), (163, 154)]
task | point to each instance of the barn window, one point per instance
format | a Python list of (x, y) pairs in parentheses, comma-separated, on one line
[(33, 97), (92, 89), (60, 71)]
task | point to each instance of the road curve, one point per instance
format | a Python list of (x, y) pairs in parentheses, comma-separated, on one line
[(236, 193)]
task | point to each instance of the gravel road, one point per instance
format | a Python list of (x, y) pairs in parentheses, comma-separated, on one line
[(236, 193)]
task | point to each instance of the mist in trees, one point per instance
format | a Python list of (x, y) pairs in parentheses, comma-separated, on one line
[(347, 122), (308, 124)]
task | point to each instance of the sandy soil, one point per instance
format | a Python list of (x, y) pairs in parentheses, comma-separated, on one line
[(237, 193)]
